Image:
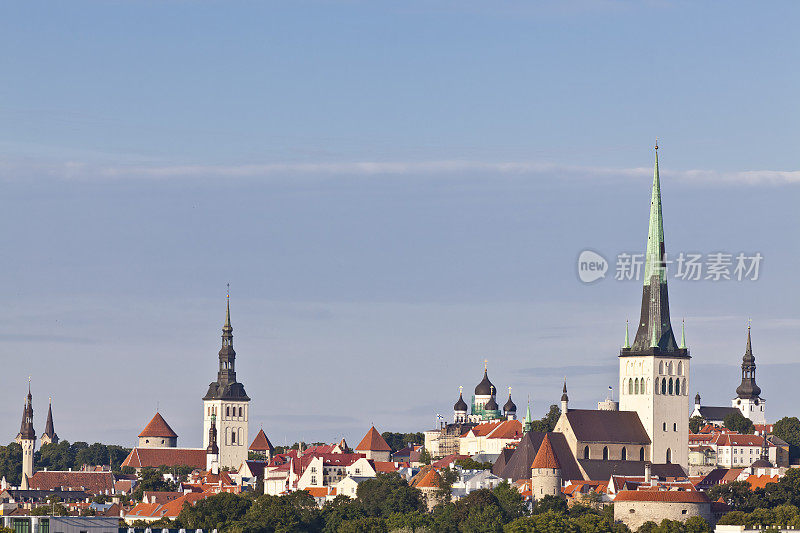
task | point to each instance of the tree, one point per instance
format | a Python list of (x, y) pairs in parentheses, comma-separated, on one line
[(11, 463), (219, 511), (548, 422), (788, 429), (425, 457), (152, 480), (471, 464), (510, 501), (387, 494), (398, 441), (448, 477), (736, 421), (696, 423), (697, 524)]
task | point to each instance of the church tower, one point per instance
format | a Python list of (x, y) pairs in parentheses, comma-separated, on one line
[(49, 436), (227, 404), (654, 371), (748, 395), (27, 439)]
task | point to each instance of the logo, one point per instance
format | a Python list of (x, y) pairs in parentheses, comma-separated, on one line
[(591, 266)]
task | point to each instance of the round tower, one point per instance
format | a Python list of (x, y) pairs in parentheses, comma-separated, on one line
[(510, 408), (545, 472)]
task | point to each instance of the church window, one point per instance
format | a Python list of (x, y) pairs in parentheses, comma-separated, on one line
[(649, 386), (630, 386), (670, 386), (233, 437), (680, 368), (240, 435), (227, 436), (227, 411), (624, 455), (636, 386), (641, 453), (240, 411), (669, 455), (683, 388), (605, 453), (663, 386), (586, 452), (656, 385), (674, 427), (677, 387), (661, 367), (664, 426)]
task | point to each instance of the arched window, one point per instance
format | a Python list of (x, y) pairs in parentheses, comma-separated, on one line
[(677, 387), (586, 452), (227, 410), (656, 389), (683, 387), (630, 386), (669, 455), (680, 368), (661, 367), (636, 386), (674, 427), (670, 387), (233, 437), (227, 435), (624, 455), (663, 385), (664, 426), (641, 453), (605, 453), (240, 411)]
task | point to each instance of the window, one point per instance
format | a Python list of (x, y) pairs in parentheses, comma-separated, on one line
[(227, 410), (240, 411), (680, 368), (670, 386), (605, 453), (233, 437), (586, 452), (636, 386), (663, 386), (313, 480), (683, 511), (630, 386), (632, 511), (674, 427), (661, 367), (624, 455), (665, 426), (669, 455), (641, 453)]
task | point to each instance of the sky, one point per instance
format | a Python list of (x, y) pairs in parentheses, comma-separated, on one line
[(395, 191)]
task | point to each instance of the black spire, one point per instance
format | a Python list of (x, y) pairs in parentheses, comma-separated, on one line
[(654, 335), (748, 389), (212, 449), (49, 430), (564, 397), (226, 387), (26, 431)]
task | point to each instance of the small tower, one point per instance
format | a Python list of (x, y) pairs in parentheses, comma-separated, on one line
[(49, 436), (158, 434), (528, 418), (484, 393), (564, 398), (545, 472), (510, 408), (27, 439), (212, 451), (262, 447), (491, 410), (748, 399), (460, 408)]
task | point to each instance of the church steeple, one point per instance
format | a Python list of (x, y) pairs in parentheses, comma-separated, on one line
[(654, 334), (748, 389), (26, 431), (226, 386), (49, 436)]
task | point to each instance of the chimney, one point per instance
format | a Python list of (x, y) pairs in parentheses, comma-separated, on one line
[(647, 473)]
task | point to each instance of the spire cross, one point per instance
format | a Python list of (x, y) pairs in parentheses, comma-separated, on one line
[(485, 365), (509, 392), (749, 320), (460, 390), (228, 296)]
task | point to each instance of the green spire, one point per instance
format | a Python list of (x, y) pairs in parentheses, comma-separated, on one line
[(654, 259), (627, 337), (683, 334), (528, 418)]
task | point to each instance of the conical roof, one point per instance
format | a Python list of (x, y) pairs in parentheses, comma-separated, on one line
[(485, 387), (158, 427), (546, 457), (373, 442), (431, 479), (26, 430), (261, 443), (49, 429), (460, 405)]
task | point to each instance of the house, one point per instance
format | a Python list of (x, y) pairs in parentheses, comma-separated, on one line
[(635, 507), (261, 446), (472, 480), (93, 483), (140, 458), (490, 437)]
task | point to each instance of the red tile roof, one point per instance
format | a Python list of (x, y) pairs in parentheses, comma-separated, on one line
[(431, 479), (158, 427), (261, 443), (666, 496), (760, 482), (317, 492), (373, 442), (384, 466), (545, 457), (731, 475), (155, 457), (160, 497), (90, 482)]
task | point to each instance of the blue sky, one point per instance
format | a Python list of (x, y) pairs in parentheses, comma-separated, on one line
[(395, 191)]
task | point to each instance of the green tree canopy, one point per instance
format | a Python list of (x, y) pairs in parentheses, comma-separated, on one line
[(696, 423), (736, 421)]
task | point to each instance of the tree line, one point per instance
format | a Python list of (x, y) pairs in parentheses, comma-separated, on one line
[(61, 456)]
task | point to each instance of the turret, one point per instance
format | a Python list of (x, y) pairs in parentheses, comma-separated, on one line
[(564, 398), (510, 408), (49, 436), (545, 471), (212, 451), (27, 439), (460, 408)]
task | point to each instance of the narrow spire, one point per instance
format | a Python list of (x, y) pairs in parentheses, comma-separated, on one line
[(654, 258), (564, 396), (683, 334), (228, 304), (749, 349), (528, 417), (627, 337)]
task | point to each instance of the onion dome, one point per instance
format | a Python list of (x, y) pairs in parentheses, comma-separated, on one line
[(491, 405), (510, 407), (460, 405), (485, 387)]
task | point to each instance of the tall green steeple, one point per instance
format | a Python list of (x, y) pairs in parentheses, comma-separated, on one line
[(654, 333), (528, 418)]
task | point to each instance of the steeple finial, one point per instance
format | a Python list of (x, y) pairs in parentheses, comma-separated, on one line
[(228, 305), (683, 334), (485, 365)]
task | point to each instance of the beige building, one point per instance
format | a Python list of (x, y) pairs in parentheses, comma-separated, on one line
[(374, 447)]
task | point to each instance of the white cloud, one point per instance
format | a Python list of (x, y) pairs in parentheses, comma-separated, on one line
[(78, 170)]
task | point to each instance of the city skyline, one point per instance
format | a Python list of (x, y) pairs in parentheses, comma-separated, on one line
[(385, 234)]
